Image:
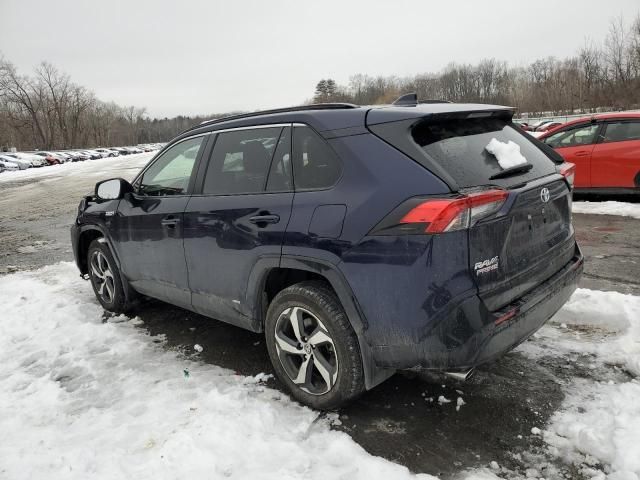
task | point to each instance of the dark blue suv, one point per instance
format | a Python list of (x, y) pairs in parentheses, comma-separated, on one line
[(360, 240)]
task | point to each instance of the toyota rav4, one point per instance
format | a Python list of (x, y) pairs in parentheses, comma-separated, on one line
[(359, 240)]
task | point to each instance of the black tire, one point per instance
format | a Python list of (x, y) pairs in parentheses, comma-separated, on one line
[(108, 288), (322, 312)]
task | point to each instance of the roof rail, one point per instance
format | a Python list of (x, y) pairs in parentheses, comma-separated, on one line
[(298, 108)]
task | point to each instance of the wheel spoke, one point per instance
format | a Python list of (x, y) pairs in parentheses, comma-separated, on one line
[(109, 285), (303, 372), (295, 318), (319, 337), (326, 371), (101, 288), (286, 345), (96, 272)]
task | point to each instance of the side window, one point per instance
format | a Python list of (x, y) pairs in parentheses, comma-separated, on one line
[(621, 131), (583, 135), (240, 161), (170, 174), (315, 165), (280, 178)]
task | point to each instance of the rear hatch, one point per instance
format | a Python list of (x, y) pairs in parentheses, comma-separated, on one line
[(530, 237)]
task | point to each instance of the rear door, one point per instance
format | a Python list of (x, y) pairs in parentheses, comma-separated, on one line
[(237, 218), (616, 158), (576, 145), (148, 225)]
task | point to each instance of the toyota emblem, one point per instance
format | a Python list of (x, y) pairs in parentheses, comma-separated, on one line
[(545, 195)]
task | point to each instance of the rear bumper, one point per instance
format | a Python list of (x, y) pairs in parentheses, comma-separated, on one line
[(472, 335)]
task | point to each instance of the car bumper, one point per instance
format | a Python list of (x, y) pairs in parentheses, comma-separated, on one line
[(471, 335)]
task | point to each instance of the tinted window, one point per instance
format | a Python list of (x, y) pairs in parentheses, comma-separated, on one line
[(170, 174), (584, 135), (315, 166), (280, 172), (622, 131), (240, 161), (459, 147)]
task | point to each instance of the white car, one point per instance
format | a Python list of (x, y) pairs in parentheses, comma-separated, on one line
[(22, 165), (7, 165), (105, 152), (33, 160)]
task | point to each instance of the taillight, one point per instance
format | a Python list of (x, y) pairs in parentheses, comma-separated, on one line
[(568, 171), (438, 215)]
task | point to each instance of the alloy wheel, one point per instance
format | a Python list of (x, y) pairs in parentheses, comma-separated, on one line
[(306, 350), (102, 276)]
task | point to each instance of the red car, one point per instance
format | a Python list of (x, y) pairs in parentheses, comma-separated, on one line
[(605, 149)]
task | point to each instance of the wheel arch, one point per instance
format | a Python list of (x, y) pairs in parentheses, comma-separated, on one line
[(269, 277), (86, 235)]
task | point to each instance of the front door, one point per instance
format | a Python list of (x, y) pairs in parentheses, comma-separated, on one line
[(148, 225), (237, 218)]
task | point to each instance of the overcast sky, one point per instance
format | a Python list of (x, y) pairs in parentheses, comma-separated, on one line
[(190, 57)]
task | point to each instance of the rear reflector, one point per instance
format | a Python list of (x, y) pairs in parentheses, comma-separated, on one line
[(439, 215), (568, 171), (507, 316)]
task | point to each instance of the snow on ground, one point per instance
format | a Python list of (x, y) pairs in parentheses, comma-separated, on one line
[(83, 398), (608, 208), (98, 167), (598, 426)]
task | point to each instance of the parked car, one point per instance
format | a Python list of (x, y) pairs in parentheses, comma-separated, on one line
[(548, 126), (123, 151), (49, 157), (64, 157), (22, 164), (114, 152), (605, 149), (7, 165), (134, 150), (93, 155), (77, 156), (34, 160), (360, 240)]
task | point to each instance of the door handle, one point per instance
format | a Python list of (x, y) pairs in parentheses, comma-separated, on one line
[(258, 219), (581, 153), (170, 222)]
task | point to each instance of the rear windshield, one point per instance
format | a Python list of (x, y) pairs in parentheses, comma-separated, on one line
[(458, 146)]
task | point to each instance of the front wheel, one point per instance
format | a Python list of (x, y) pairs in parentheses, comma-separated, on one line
[(105, 278), (313, 349)]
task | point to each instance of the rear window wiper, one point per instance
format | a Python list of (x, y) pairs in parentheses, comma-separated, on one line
[(525, 167)]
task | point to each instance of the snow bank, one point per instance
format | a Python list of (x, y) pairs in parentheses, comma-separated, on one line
[(598, 426), (508, 154), (611, 327), (608, 208), (85, 399)]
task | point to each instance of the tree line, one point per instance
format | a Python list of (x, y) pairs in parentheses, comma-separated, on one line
[(600, 76), (46, 110)]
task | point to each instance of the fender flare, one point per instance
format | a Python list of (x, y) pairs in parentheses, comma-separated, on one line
[(373, 374), (129, 293)]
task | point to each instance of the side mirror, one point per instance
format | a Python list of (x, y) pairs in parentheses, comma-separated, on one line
[(113, 189)]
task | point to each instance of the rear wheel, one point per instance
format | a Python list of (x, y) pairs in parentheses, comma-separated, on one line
[(312, 346), (105, 278)]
